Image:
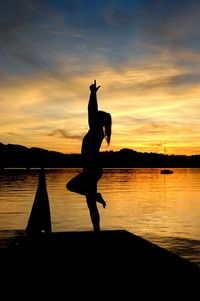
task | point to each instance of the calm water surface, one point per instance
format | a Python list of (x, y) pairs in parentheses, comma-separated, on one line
[(164, 209)]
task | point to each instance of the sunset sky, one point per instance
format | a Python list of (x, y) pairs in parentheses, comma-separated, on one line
[(145, 54)]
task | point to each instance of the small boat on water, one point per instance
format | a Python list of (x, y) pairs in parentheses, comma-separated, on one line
[(166, 171)]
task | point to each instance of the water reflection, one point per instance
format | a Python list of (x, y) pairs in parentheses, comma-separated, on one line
[(142, 201), (184, 247)]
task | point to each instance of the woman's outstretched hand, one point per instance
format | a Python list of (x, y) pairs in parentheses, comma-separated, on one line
[(93, 87)]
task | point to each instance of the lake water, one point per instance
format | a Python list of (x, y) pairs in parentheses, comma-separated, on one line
[(162, 208)]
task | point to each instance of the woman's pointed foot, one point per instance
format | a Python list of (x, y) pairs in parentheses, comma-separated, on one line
[(101, 200)]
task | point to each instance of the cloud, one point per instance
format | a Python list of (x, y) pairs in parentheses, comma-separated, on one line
[(144, 54), (13, 134), (156, 20), (17, 18), (42, 35), (64, 134), (25, 30)]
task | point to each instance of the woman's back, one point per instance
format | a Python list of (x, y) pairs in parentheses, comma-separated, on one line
[(90, 147)]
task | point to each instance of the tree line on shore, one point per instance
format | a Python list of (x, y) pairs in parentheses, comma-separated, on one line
[(19, 156)]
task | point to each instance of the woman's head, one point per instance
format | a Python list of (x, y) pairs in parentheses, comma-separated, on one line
[(105, 120)]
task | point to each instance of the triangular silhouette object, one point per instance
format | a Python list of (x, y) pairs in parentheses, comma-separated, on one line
[(40, 218)]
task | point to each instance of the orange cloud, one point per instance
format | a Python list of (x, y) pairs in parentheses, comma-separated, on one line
[(150, 106)]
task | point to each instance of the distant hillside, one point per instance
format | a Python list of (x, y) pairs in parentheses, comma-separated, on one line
[(12, 155)]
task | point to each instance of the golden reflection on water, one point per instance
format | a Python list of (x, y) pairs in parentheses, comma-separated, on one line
[(149, 202), (142, 201), (164, 209)]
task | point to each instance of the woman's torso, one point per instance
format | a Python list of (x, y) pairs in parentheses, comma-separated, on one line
[(90, 147)]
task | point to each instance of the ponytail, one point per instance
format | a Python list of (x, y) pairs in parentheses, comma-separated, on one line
[(105, 121), (107, 127)]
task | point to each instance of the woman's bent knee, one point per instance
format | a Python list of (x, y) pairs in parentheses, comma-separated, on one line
[(69, 186)]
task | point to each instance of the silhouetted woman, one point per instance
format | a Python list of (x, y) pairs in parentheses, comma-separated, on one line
[(85, 183)]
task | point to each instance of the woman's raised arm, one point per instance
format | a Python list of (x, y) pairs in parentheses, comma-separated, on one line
[(93, 105)]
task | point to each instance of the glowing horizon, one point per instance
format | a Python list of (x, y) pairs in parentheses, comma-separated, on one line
[(145, 55)]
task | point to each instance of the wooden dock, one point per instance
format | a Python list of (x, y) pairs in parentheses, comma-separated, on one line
[(117, 262)]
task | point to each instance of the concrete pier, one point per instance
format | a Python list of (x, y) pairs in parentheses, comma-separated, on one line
[(110, 262)]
